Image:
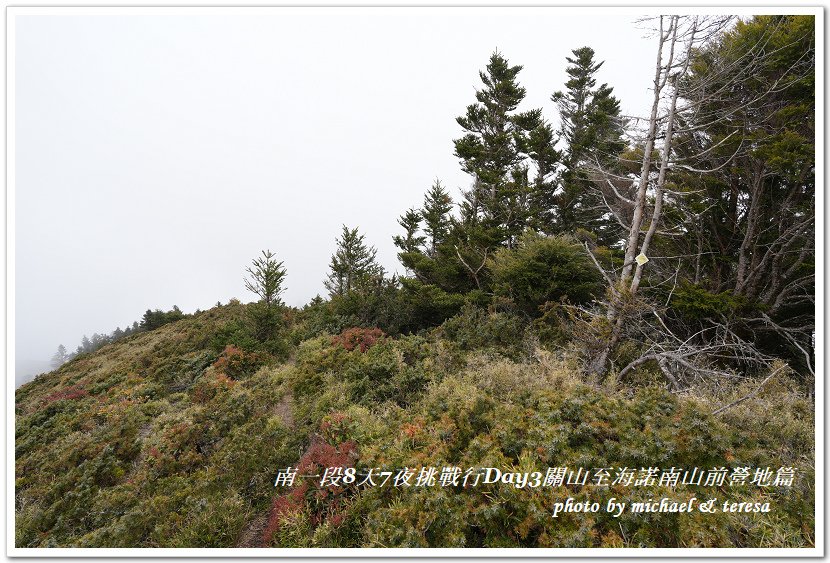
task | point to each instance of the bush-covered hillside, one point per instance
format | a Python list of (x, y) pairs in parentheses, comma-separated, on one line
[(173, 437)]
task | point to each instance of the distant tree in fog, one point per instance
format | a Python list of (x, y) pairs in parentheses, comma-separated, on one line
[(60, 357)]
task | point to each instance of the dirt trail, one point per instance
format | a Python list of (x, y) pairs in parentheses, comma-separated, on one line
[(251, 536)]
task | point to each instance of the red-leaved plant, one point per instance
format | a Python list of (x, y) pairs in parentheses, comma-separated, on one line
[(238, 363), (72, 392), (323, 503), (362, 338)]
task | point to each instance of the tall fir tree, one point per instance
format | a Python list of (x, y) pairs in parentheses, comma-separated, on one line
[(266, 281), (544, 158), (428, 246), (436, 216), (411, 224), (592, 129), (353, 266), (495, 151)]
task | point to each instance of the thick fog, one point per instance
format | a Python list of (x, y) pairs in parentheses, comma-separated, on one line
[(155, 156)]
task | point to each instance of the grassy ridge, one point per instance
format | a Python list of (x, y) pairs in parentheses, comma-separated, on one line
[(173, 438)]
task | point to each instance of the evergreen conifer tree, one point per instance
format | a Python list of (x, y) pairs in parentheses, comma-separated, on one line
[(267, 276), (266, 279), (353, 264), (495, 150), (592, 129), (60, 357), (411, 223), (435, 213)]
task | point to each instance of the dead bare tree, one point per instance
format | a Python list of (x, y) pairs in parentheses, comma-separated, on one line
[(679, 155), (677, 37), (640, 207)]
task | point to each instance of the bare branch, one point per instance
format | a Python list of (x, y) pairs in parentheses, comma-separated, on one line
[(750, 395)]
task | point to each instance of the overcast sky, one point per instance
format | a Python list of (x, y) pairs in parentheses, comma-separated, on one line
[(157, 155)]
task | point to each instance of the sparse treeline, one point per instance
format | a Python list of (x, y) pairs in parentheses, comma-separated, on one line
[(152, 319), (681, 242)]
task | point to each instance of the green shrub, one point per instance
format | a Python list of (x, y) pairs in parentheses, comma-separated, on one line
[(238, 333), (382, 374), (396, 309), (694, 302), (427, 305), (475, 328), (543, 269), (212, 521)]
